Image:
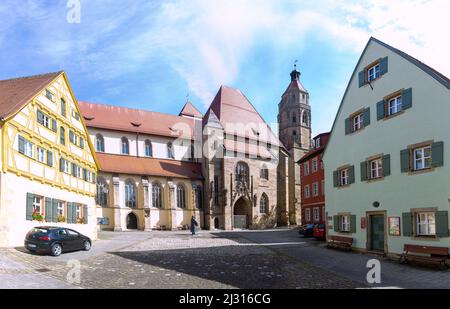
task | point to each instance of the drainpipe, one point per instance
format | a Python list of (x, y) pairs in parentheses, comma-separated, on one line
[(137, 144)]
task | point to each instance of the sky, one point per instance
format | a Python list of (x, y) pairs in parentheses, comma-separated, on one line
[(151, 54)]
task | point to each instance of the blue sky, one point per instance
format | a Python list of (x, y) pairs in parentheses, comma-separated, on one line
[(150, 54)]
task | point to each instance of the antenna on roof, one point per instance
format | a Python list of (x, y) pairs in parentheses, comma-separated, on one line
[(187, 97), (295, 64)]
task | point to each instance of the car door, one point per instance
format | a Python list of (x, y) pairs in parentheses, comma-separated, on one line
[(76, 241)]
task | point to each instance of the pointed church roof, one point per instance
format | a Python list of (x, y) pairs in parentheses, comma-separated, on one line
[(211, 120), (234, 111), (16, 93), (190, 110), (295, 85)]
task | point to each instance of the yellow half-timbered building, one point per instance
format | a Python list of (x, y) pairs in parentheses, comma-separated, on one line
[(48, 166)]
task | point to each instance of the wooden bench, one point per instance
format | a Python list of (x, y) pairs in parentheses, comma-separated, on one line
[(340, 242), (425, 254)]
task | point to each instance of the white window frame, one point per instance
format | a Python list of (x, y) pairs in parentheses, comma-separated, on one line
[(374, 72), (49, 95), (28, 148), (66, 166), (315, 189), (61, 209), (423, 159), (45, 121), (345, 223), (357, 122), (79, 211), (316, 214), (38, 205), (307, 192), (425, 226), (40, 154), (308, 215), (344, 177), (394, 105), (375, 168), (314, 165)]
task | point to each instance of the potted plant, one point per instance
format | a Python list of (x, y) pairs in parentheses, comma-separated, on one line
[(38, 217), (80, 221), (61, 219)]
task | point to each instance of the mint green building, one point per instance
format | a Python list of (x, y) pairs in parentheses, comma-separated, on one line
[(387, 163)]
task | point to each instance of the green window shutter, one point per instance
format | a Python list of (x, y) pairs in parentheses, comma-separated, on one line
[(49, 158), (61, 164), (348, 126), (85, 175), (85, 211), (366, 116), (30, 200), (69, 212), (74, 170), (437, 153), (352, 224), (405, 160), (48, 210), (21, 145), (71, 137), (63, 108), (380, 110), (383, 65), (54, 126), (364, 171), (55, 210), (407, 224), (62, 133), (386, 165), (74, 212), (336, 223), (81, 143), (442, 224), (336, 179), (40, 117), (362, 78), (407, 98), (351, 174)]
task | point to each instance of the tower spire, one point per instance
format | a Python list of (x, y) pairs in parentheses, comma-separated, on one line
[(295, 74)]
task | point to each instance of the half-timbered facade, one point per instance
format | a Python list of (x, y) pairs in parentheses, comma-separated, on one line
[(48, 168)]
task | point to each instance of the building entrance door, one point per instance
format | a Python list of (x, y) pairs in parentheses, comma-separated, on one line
[(377, 232)]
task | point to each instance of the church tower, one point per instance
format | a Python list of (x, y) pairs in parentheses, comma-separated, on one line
[(294, 124)]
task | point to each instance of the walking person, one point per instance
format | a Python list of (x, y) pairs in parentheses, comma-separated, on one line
[(193, 225)]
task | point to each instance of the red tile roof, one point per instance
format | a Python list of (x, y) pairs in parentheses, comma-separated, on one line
[(295, 85), (16, 93), (137, 121), (121, 164), (234, 110), (190, 110), (316, 151)]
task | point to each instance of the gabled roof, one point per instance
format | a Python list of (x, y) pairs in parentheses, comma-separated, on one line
[(232, 108), (125, 119), (316, 151), (441, 78), (16, 93), (120, 164), (190, 110)]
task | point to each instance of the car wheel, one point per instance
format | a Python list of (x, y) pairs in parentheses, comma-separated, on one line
[(87, 245), (56, 250)]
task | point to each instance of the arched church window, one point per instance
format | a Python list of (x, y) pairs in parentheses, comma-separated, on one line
[(242, 172)]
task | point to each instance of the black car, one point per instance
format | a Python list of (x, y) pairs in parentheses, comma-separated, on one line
[(306, 230), (56, 240)]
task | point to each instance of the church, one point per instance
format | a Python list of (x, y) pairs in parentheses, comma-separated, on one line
[(142, 170)]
